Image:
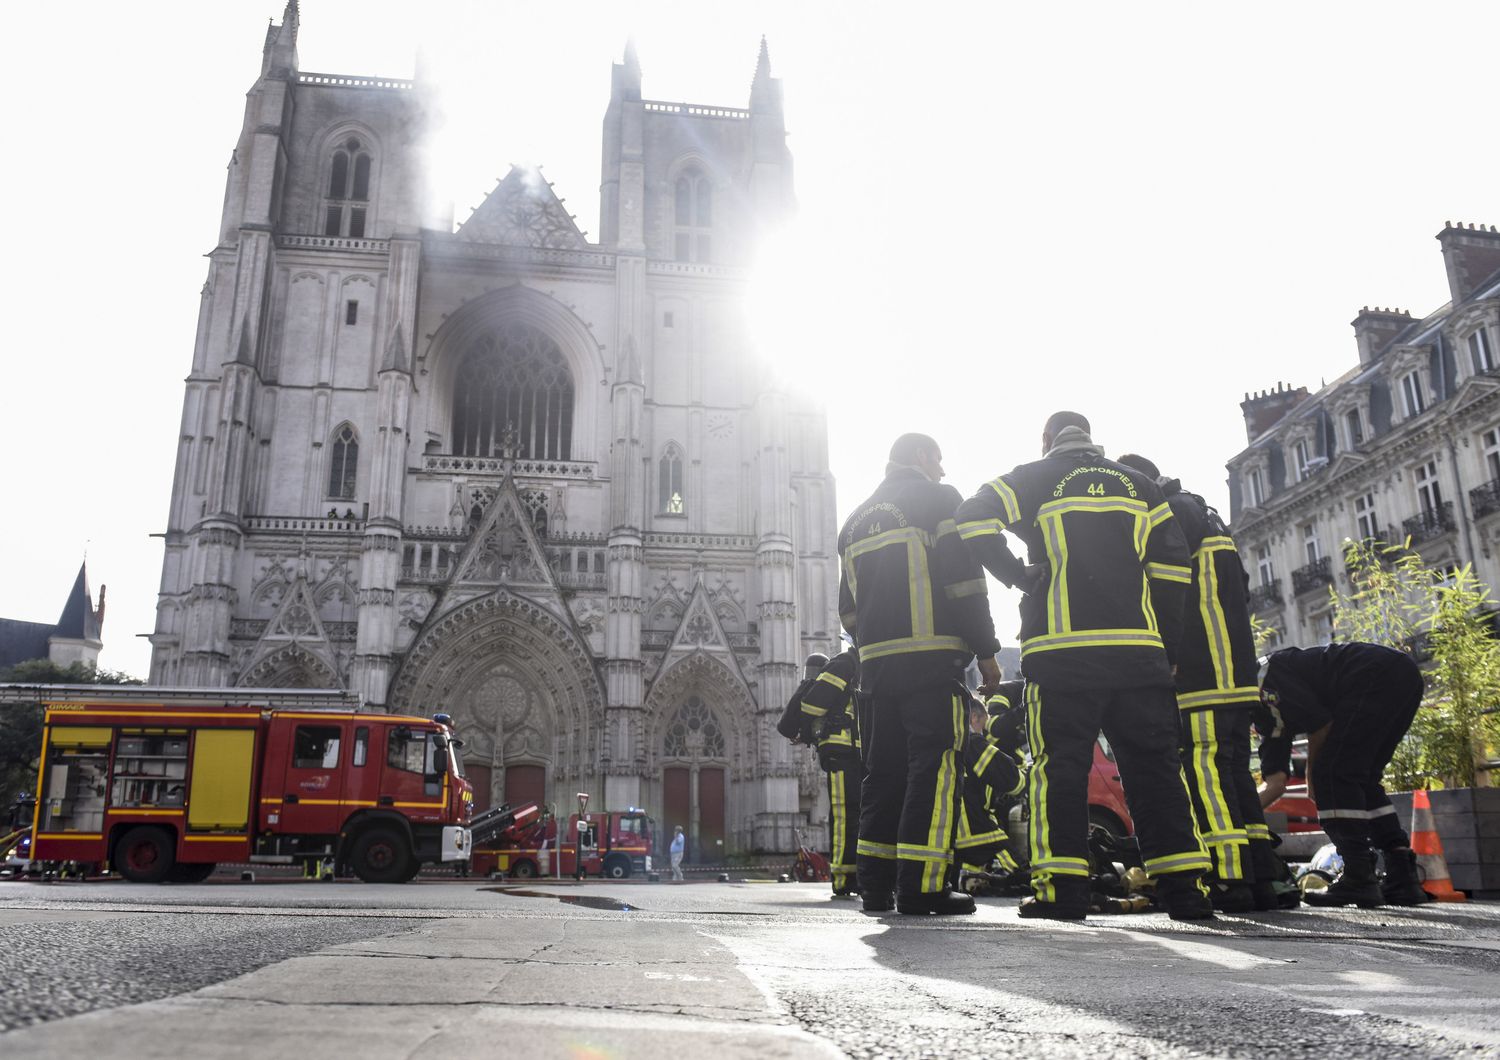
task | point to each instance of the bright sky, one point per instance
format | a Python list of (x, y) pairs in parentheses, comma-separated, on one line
[(1139, 211)]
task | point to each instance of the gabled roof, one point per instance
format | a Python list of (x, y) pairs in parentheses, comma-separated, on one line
[(523, 211), (20, 641)]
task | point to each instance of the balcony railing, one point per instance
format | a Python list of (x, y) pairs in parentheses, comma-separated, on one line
[(1430, 523), (1485, 500), (1312, 576), (1265, 597)]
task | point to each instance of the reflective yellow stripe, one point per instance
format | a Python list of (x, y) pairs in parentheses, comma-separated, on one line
[(833, 679), (1066, 866), (968, 842), (1129, 505), (837, 805), (919, 589), (979, 528), (1039, 836), (916, 852), (69, 835), (985, 758), (1160, 514), (868, 848), (901, 645), (1230, 859), (1203, 728), (1177, 863), (1215, 624), (973, 587), (1097, 638), (1008, 502), (901, 535), (839, 739), (1058, 617), (1242, 695), (813, 711), (216, 839), (944, 528), (1169, 572), (1258, 831)]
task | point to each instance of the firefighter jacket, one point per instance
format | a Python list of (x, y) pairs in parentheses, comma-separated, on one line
[(828, 711), (990, 775), (1216, 660), (793, 724), (1107, 612), (1304, 689), (911, 594), (1006, 727)]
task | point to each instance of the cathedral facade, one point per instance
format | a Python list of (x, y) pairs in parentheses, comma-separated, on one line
[(541, 483)]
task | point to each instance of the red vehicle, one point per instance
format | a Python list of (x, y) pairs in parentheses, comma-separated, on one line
[(610, 843), (1106, 796), (163, 783)]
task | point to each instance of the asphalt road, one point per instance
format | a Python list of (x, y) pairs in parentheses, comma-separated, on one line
[(616, 970)]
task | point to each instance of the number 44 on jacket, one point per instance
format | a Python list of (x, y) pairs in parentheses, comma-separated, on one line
[(164, 783)]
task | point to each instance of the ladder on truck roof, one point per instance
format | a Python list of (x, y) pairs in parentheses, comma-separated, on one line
[(491, 823), (267, 698)]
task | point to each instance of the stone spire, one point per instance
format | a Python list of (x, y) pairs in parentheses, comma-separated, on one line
[(765, 90)]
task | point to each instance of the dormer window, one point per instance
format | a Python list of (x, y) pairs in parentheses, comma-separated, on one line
[(1413, 401), (346, 208), (1481, 353), (1255, 488), (1354, 428), (693, 217), (1301, 458)]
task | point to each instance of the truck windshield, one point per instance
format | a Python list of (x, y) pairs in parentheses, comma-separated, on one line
[(455, 762)]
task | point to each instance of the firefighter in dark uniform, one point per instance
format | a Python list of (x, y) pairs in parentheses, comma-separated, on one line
[(1355, 702), (1216, 691), (990, 777), (1100, 620), (827, 708), (914, 600)]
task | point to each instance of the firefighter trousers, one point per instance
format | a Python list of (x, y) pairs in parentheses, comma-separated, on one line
[(912, 789), (844, 783), (1216, 763), (1141, 725), (1347, 772)]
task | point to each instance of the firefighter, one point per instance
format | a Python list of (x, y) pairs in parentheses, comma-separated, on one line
[(828, 709), (1355, 702), (914, 600), (990, 776), (1100, 619), (791, 723), (1216, 666)]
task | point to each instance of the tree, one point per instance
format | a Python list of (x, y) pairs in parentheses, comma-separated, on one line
[(21, 723), (1445, 619)]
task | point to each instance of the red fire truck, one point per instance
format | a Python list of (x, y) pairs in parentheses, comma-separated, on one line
[(164, 783), (609, 843)]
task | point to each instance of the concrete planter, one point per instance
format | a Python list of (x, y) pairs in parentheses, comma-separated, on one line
[(1468, 824)]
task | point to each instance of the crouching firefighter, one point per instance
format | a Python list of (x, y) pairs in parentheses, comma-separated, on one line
[(914, 600), (991, 776), (1355, 702), (1216, 692)]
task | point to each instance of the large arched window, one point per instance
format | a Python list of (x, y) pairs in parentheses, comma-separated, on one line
[(693, 217), (343, 463), (671, 501), (348, 201), (513, 397), (694, 732)]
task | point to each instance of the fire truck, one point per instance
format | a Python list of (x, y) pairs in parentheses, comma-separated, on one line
[(615, 844), (165, 783)]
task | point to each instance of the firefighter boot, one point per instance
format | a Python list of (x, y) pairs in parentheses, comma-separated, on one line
[(1071, 901), (1401, 885), (1356, 886), (1233, 897), (939, 903), (878, 901), (1272, 894), (1184, 895)]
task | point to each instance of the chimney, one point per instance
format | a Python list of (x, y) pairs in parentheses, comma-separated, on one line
[(1266, 409), (1375, 328), (1471, 255)]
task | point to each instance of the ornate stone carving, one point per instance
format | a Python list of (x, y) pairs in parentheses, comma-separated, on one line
[(522, 211)]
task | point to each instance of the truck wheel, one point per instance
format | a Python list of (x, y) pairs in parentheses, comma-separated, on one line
[(144, 855), (412, 870), (381, 856), (195, 872), (523, 870), (617, 867)]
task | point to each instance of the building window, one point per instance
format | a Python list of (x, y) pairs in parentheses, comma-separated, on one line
[(1480, 352), (693, 215), (1429, 492), (1264, 565), (1255, 485), (514, 397), (1491, 440), (1301, 458), (351, 313), (1411, 394), (343, 464), (1365, 517), (348, 201), (1310, 543), (694, 732), (670, 485), (1354, 427)]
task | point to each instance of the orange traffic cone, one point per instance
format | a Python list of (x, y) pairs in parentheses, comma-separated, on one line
[(1429, 850)]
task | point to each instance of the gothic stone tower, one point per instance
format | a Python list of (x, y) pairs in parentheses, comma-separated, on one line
[(538, 482)]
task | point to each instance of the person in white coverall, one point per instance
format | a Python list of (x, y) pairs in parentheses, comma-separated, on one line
[(679, 841)]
